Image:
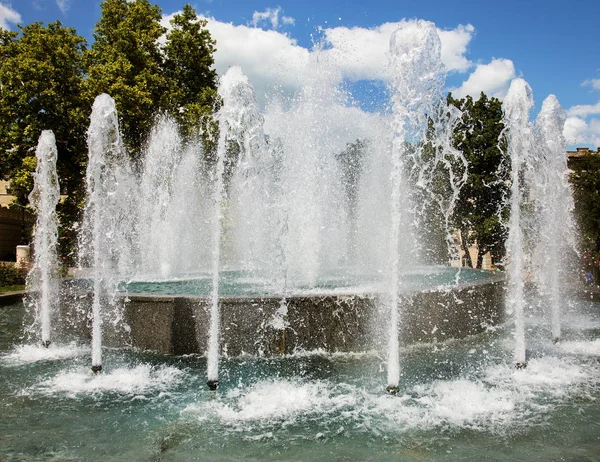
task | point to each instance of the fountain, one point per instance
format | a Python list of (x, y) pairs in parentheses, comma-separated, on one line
[(283, 226), (287, 266), (418, 80)]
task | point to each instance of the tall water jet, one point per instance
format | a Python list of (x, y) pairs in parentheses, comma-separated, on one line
[(43, 275), (161, 157), (311, 131), (553, 193), (228, 118), (519, 132), (417, 78), (253, 203), (172, 207), (105, 241)]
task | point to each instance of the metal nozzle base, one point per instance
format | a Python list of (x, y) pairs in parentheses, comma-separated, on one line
[(392, 389), (520, 365), (212, 384), (97, 369), (46, 343)]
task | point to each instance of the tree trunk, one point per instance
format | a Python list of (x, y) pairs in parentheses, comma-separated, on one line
[(465, 247), (480, 256)]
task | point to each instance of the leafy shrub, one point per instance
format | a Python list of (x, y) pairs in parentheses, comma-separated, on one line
[(12, 274)]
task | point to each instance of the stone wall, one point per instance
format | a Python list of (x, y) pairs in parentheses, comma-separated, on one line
[(179, 325)]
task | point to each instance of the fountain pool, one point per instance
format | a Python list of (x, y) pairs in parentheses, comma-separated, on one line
[(460, 399), (254, 283)]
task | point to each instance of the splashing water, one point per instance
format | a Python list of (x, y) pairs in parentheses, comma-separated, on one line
[(240, 136)]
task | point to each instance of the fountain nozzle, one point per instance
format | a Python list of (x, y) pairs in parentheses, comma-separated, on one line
[(97, 369), (46, 343), (392, 389), (212, 384), (520, 365), (556, 340)]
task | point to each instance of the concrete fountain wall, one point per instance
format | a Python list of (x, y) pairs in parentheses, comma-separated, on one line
[(332, 322)]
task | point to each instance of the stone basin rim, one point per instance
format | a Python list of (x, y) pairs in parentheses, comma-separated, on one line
[(149, 297)]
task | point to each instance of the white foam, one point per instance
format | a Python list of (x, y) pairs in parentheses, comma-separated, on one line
[(499, 400), (548, 379), (590, 347), (136, 381), (272, 400), (27, 354)]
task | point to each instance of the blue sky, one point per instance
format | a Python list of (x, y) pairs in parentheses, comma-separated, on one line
[(551, 44)]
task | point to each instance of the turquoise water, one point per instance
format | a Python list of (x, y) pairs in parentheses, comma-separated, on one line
[(459, 400), (254, 283)]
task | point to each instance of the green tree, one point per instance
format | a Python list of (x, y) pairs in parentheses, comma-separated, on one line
[(41, 77), (125, 61), (188, 61), (585, 179), (479, 213)]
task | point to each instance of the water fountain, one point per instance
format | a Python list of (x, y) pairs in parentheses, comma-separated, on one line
[(418, 80), (231, 261), (275, 210)]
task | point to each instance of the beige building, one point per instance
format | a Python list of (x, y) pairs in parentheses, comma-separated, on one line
[(5, 198)]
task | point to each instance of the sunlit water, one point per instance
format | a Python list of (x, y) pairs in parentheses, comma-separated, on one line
[(341, 280), (459, 400)]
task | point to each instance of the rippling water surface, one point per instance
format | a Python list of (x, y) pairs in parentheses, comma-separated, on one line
[(459, 400)]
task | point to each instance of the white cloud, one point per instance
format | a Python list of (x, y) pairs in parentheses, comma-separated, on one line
[(362, 53), (454, 47), (493, 79), (272, 16), (64, 5), (272, 59), (269, 58), (594, 83), (577, 131), (584, 110), (8, 15)]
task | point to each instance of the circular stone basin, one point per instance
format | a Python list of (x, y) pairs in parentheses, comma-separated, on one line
[(342, 280), (344, 310)]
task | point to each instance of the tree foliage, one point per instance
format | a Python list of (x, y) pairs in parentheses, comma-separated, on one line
[(478, 214), (125, 62), (188, 61), (40, 88), (48, 80), (41, 76), (585, 180)]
